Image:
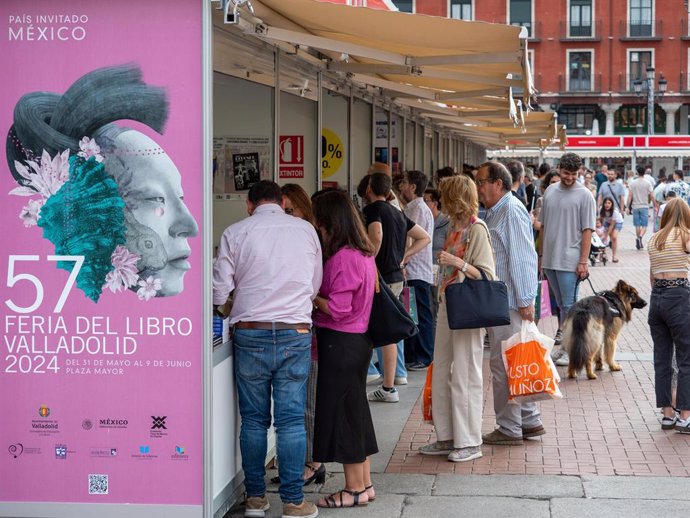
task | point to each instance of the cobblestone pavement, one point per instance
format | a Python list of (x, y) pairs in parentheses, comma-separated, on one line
[(608, 426)]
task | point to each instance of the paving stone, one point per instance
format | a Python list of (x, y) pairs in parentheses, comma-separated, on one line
[(612, 508), (388, 483), (648, 488), (475, 507), (529, 486)]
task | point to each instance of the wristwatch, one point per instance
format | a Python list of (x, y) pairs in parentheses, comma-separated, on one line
[(464, 266)]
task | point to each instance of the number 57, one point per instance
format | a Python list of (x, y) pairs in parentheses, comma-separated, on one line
[(13, 278)]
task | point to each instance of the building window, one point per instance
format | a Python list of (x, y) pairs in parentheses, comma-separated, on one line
[(580, 118), (461, 9), (404, 6), (580, 68), (638, 61), (632, 118), (641, 18), (521, 14), (580, 18)]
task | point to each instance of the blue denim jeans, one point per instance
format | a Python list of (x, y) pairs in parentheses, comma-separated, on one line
[(565, 287), (272, 361), (400, 369)]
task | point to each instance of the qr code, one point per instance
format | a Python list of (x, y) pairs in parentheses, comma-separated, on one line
[(98, 484)]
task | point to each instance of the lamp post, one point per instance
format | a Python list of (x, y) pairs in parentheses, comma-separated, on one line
[(651, 95)]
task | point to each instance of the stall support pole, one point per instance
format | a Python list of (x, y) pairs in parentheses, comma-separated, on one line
[(276, 114), (350, 147), (207, 236), (390, 150), (319, 130)]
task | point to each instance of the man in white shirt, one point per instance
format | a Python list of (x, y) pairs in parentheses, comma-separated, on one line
[(420, 273), (272, 263), (641, 193)]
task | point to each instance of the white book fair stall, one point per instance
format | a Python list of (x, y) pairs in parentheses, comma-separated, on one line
[(133, 133)]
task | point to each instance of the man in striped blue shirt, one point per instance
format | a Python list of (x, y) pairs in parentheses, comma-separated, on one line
[(516, 264)]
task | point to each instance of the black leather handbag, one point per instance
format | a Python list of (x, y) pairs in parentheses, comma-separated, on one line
[(389, 322), (472, 304)]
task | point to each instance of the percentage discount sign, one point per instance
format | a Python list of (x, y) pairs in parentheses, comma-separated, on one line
[(331, 153)]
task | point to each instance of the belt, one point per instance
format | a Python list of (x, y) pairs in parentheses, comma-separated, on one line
[(672, 283), (278, 326)]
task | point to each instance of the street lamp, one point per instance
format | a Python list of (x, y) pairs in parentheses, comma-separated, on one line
[(651, 95)]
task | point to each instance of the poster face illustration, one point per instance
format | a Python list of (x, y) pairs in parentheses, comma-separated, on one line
[(101, 188)]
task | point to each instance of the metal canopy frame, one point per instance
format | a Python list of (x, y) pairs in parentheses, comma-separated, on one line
[(403, 77)]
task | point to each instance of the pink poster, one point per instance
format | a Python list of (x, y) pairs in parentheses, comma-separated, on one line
[(101, 256)]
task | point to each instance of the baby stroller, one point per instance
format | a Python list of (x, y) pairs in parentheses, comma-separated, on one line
[(597, 250)]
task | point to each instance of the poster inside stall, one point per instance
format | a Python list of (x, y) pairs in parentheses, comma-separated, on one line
[(239, 163), (101, 259)]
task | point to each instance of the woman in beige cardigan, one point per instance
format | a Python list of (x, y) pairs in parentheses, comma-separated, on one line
[(457, 373)]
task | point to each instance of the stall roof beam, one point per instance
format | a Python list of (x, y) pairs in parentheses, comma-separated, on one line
[(452, 96), (310, 40), (465, 59)]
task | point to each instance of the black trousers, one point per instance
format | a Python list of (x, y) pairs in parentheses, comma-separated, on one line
[(669, 324)]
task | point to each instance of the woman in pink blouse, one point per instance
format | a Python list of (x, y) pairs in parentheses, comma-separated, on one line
[(344, 431)]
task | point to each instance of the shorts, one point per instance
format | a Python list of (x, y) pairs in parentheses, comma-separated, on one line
[(640, 217), (619, 226)]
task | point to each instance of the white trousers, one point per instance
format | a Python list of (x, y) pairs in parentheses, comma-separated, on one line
[(456, 390)]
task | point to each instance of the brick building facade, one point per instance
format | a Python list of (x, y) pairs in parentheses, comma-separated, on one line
[(587, 54)]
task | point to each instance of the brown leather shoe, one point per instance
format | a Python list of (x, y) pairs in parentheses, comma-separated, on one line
[(535, 431), (498, 438), (303, 510), (256, 506)]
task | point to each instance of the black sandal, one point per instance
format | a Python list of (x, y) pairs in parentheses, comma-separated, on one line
[(331, 503), (371, 499)]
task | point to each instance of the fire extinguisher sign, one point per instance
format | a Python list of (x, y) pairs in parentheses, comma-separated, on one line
[(291, 150)]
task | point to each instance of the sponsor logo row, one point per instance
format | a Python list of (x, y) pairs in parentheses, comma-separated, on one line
[(46, 426), (18, 449)]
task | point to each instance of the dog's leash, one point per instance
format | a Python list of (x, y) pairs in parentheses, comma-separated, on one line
[(591, 286)]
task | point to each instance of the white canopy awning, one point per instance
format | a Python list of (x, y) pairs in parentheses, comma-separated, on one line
[(435, 67)]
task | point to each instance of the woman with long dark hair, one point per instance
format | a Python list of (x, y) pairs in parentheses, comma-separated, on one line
[(669, 259), (613, 223), (344, 431)]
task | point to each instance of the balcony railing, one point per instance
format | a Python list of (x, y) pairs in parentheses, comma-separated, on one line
[(578, 86), (571, 32), (641, 30), (626, 82)]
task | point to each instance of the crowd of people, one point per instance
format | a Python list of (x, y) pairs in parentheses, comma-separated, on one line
[(299, 262)]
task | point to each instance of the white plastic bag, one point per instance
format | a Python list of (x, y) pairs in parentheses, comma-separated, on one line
[(532, 375)]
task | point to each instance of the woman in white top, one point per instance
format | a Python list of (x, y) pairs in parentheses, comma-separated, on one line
[(613, 222)]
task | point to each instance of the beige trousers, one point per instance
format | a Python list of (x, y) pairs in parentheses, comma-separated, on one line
[(456, 390)]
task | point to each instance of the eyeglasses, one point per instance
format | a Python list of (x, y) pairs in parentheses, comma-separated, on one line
[(481, 181), (289, 211)]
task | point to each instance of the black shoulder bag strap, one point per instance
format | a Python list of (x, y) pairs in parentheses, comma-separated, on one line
[(614, 196)]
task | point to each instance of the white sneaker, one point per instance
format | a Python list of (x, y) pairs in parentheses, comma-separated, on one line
[(400, 380), (373, 378), (465, 454), (563, 360), (384, 396)]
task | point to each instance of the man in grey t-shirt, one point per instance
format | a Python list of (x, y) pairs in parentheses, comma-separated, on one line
[(567, 220), (612, 190)]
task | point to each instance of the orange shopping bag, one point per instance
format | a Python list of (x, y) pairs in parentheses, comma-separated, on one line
[(532, 375), (426, 395)]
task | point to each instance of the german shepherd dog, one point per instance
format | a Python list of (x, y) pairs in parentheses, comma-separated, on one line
[(590, 333)]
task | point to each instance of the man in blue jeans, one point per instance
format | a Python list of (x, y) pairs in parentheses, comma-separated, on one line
[(273, 264), (567, 220)]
